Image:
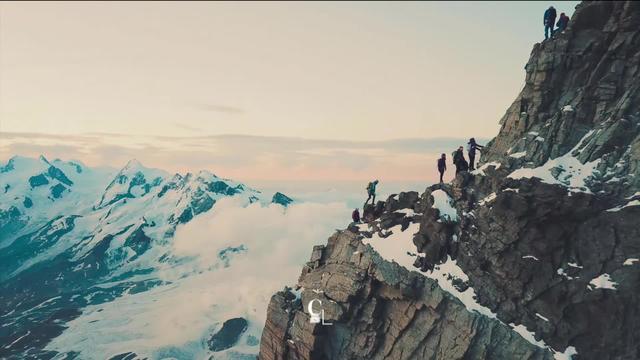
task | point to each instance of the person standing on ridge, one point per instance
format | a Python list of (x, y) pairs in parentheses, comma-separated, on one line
[(562, 23), (442, 166), (459, 161), (472, 152), (549, 20), (371, 191), (355, 216)]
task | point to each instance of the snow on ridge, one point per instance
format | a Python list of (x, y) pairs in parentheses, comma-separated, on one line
[(399, 248), (637, 193), (407, 212), (630, 261), (443, 202), (562, 273), (620, 207), (602, 282), (489, 198), (530, 337), (572, 173), (518, 155), (481, 169), (542, 317)]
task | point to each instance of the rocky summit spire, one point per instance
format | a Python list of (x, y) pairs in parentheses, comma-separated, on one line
[(581, 100)]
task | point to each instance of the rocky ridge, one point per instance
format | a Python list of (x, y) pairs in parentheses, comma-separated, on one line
[(535, 255)]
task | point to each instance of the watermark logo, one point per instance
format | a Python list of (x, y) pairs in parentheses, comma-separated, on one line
[(316, 317)]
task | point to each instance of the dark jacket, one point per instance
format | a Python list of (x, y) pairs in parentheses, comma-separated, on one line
[(458, 157), (355, 216), (473, 146), (442, 164), (563, 22), (549, 16)]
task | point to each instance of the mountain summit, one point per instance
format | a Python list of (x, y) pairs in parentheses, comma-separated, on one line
[(535, 255)]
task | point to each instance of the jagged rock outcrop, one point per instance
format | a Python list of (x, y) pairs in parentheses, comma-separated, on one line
[(534, 254), (532, 251), (585, 81), (544, 234), (380, 310), (281, 199)]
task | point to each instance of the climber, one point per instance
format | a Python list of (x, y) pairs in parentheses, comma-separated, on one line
[(473, 146), (562, 23), (371, 191), (442, 166), (355, 216), (459, 160), (548, 20)]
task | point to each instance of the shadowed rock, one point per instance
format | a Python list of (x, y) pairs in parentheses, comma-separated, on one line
[(228, 335)]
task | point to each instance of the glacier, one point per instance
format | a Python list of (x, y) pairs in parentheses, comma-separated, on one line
[(102, 263)]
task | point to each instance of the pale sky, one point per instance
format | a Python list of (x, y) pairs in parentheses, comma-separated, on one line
[(361, 72)]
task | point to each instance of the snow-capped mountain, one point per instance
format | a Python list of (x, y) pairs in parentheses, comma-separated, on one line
[(74, 238)]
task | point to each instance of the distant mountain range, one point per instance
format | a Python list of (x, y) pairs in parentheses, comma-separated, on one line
[(73, 236)]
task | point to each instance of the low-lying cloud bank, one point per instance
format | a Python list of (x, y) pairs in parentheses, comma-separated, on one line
[(245, 158)]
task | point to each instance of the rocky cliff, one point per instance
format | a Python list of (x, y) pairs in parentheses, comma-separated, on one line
[(535, 255), (580, 100)]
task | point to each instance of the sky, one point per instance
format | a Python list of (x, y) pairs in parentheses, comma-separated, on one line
[(261, 91)]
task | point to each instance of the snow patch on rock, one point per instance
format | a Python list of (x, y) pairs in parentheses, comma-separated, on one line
[(564, 170), (443, 202), (602, 282)]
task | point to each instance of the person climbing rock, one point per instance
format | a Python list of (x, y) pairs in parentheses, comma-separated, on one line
[(442, 166), (473, 147), (562, 23), (355, 216), (459, 160), (549, 20), (371, 191)]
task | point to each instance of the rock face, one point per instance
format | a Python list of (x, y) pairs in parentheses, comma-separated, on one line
[(380, 310), (228, 335), (586, 81), (282, 199), (535, 255)]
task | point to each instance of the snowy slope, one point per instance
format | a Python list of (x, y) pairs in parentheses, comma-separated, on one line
[(81, 244)]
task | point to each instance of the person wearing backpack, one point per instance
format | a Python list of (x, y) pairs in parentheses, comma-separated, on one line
[(459, 161), (442, 166), (371, 191)]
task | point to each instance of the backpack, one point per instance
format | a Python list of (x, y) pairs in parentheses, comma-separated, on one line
[(456, 157)]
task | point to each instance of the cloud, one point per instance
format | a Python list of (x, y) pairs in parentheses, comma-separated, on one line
[(220, 108), (246, 158), (201, 293), (188, 127)]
